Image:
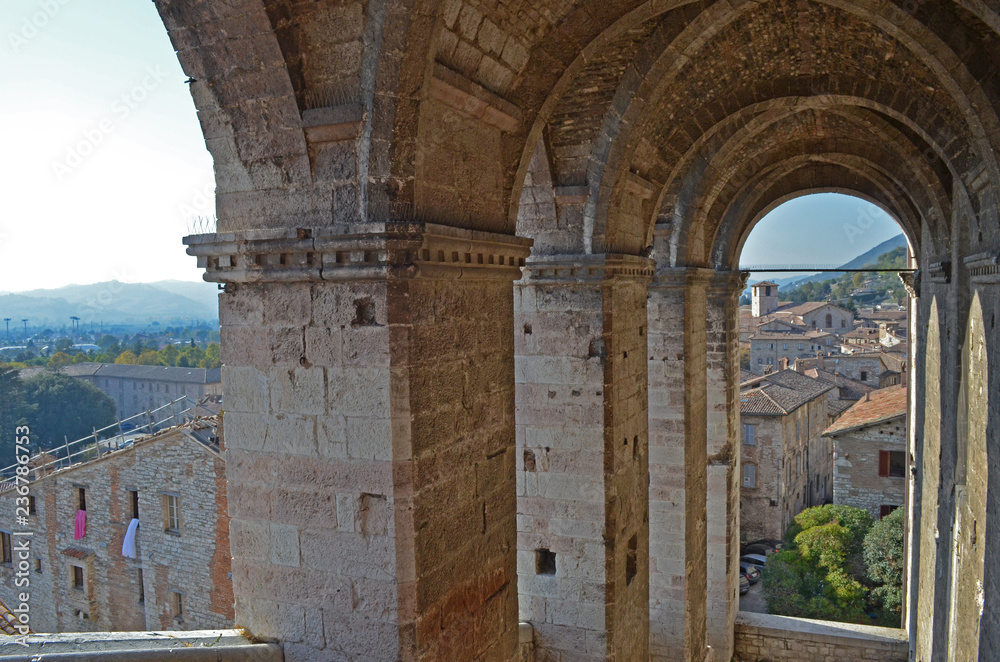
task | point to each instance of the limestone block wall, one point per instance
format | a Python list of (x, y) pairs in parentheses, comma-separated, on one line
[(856, 480), (769, 638), (193, 561), (762, 509), (582, 466)]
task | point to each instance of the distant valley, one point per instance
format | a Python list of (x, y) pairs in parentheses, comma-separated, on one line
[(114, 302)]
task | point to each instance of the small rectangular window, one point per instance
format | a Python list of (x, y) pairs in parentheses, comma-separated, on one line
[(171, 519), (8, 555), (784, 345), (38, 565), (81, 498), (864, 375), (142, 586), (892, 464), (885, 509), (77, 577), (134, 501), (800, 346), (749, 475), (545, 562), (749, 434), (178, 606)]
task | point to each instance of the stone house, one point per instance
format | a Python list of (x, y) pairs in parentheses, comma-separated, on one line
[(174, 483), (870, 452), (773, 350), (786, 464)]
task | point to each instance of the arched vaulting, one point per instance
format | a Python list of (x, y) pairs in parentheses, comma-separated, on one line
[(565, 451)]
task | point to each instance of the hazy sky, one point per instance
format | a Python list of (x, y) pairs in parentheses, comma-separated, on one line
[(103, 157), (104, 163)]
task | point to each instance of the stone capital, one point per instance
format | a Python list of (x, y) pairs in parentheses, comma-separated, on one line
[(911, 281), (586, 269), (370, 252)]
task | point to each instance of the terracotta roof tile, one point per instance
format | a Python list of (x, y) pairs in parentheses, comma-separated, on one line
[(881, 405)]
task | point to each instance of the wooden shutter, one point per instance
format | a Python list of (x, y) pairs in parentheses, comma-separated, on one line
[(883, 464)]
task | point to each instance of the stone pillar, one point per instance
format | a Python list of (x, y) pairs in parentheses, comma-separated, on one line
[(580, 327), (723, 452), (678, 464), (370, 438)]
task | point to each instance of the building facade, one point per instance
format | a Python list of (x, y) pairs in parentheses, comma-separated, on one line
[(786, 464), (140, 388), (870, 464), (174, 483), (774, 350)]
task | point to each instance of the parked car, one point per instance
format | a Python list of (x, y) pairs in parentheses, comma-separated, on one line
[(751, 571), (744, 585), (754, 559), (770, 544)]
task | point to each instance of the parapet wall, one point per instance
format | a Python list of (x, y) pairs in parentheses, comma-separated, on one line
[(770, 638)]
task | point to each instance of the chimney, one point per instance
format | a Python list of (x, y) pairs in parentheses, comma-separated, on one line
[(868, 396)]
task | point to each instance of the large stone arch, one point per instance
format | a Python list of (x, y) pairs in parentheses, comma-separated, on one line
[(374, 162)]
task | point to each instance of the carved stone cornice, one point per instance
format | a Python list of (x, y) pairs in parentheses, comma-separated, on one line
[(911, 281), (585, 269), (984, 268), (940, 272), (376, 251)]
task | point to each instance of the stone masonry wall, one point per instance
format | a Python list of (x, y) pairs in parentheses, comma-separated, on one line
[(856, 480), (769, 638), (189, 561), (758, 517)]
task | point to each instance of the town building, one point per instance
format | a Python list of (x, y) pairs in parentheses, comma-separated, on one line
[(141, 388), (772, 350), (174, 483), (814, 315), (870, 453), (786, 464)]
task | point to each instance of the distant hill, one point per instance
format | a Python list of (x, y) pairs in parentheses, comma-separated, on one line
[(115, 303), (867, 258)]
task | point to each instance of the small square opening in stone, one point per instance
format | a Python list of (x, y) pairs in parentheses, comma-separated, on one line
[(545, 562)]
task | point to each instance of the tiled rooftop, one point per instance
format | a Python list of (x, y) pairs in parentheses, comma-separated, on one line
[(881, 405)]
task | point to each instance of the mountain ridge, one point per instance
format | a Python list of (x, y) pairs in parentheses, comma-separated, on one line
[(114, 302)]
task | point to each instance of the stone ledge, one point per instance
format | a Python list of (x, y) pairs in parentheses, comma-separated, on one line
[(473, 100), (878, 643), (208, 645), (580, 269), (384, 251), (984, 268)]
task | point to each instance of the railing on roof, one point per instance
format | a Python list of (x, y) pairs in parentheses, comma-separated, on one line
[(109, 443)]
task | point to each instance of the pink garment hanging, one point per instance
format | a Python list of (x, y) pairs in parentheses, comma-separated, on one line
[(80, 525)]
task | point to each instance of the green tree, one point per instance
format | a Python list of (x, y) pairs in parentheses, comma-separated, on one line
[(59, 360), (149, 357), (81, 358), (213, 356), (65, 408), (128, 357), (15, 410), (63, 344), (817, 574), (169, 354), (884, 559)]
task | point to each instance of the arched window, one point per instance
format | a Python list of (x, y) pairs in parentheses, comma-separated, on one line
[(829, 321)]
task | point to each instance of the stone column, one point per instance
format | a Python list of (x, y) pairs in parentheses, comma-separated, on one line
[(580, 326), (370, 438), (723, 452), (678, 444)]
